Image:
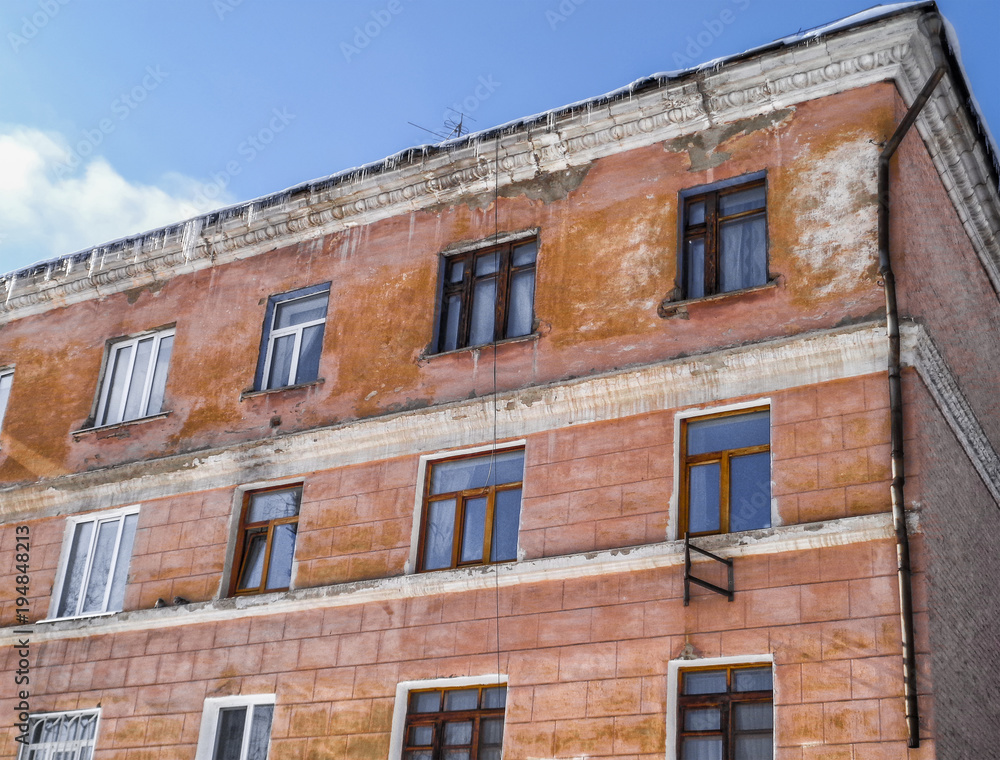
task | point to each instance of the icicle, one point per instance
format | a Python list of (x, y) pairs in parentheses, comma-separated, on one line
[(48, 273), (10, 286), (69, 264), (93, 260)]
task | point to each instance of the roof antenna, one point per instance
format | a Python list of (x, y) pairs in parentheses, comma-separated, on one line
[(451, 127)]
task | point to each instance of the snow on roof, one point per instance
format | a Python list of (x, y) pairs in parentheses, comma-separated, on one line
[(359, 173)]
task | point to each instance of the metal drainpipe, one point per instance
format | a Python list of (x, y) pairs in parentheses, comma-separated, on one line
[(896, 401)]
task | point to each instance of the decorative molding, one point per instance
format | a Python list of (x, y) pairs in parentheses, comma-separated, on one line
[(802, 537), (890, 48), (753, 370), (955, 408)]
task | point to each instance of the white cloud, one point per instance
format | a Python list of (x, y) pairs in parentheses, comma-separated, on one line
[(47, 211)]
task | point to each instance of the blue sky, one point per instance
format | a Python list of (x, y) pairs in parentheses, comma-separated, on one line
[(117, 116)]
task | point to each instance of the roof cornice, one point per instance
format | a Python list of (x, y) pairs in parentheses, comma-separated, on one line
[(891, 48)]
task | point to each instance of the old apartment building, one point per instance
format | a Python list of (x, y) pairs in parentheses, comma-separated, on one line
[(400, 463)]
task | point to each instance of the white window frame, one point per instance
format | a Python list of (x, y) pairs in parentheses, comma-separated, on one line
[(67, 548), (673, 677), (401, 705), (6, 385), (423, 469), (46, 750), (210, 722), (693, 414), (273, 334), (118, 416)]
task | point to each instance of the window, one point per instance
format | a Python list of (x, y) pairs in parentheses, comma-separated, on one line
[(472, 507), (455, 724), (725, 713), (95, 563), (269, 521), (293, 338), (488, 295), (236, 728), (724, 240), (726, 473), (6, 380), (61, 736), (134, 378)]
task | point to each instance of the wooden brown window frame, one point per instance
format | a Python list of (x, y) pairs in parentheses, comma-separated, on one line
[(724, 457), (709, 231), (247, 530), (465, 289), (461, 498), (439, 718), (723, 701)]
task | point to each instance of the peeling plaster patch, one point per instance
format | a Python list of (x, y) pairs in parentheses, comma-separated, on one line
[(701, 146), (546, 187), (837, 211)]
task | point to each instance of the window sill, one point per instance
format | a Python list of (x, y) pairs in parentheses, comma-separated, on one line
[(88, 616), (111, 430), (530, 337), (668, 308), (269, 391)]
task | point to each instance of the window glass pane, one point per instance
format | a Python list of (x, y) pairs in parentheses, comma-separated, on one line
[(289, 313), (229, 736), (456, 270), (119, 370), (701, 748), (457, 754), (453, 314), (253, 561), (273, 505), (477, 472), (425, 701), (483, 312), (696, 213), (155, 405), (473, 530), (421, 736), (420, 754), (703, 497), (490, 732), (489, 753), (462, 699), (279, 569), (736, 431), (487, 263), (137, 383), (76, 565), (524, 254), (88, 726), (117, 597), (705, 682), (752, 679), (495, 697), (6, 381), (506, 516), (742, 200), (755, 747), (519, 311), (260, 732), (458, 733), (309, 353), (281, 361), (694, 268), (742, 253), (100, 567), (750, 491), (751, 716), (708, 719), (439, 534)]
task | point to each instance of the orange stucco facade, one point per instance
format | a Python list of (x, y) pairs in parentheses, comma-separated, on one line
[(587, 627)]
